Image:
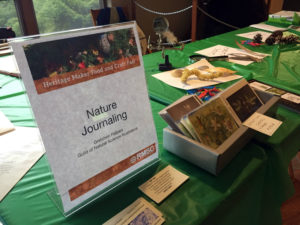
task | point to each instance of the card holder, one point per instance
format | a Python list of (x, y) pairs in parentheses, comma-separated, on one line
[(214, 160)]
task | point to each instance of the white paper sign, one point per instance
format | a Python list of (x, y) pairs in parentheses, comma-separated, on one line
[(90, 100), (267, 27), (262, 123), (251, 35)]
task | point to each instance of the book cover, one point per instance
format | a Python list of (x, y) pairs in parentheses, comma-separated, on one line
[(178, 110), (173, 113), (244, 102), (212, 123)]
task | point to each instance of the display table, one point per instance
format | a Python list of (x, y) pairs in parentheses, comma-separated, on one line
[(249, 191)]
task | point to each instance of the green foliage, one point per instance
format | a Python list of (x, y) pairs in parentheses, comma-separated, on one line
[(58, 15), (66, 55), (8, 16), (296, 19), (52, 15)]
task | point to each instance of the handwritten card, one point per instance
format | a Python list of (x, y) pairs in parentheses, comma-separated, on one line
[(163, 184), (262, 123), (238, 56)]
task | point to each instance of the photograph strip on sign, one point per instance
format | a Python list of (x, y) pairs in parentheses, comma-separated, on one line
[(81, 86)]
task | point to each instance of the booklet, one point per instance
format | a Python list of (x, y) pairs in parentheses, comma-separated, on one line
[(82, 86)]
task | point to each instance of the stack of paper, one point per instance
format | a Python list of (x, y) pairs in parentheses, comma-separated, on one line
[(20, 149), (5, 124)]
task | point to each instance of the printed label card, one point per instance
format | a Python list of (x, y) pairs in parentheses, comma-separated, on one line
[(82, 87), (139, 212), (263, 123), (163, 184)]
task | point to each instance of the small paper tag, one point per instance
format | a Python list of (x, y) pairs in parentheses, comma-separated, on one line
[(260, 86), (291, 97), (163, 184), (262, 123)]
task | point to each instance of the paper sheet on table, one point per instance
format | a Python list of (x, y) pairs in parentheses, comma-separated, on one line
[(235, 55), (267, 27), (251, 35), (20, 150), (192, 82), (5, 51), (8, 63), (284, 13), (5, 124)]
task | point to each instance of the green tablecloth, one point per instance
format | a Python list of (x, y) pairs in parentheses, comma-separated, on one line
[(249, 190), (281, 69)]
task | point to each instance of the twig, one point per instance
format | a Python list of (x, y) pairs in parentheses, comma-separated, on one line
[(249, 51)]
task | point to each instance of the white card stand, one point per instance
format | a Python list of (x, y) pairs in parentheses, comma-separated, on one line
[(56, 199), (64, 146)]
